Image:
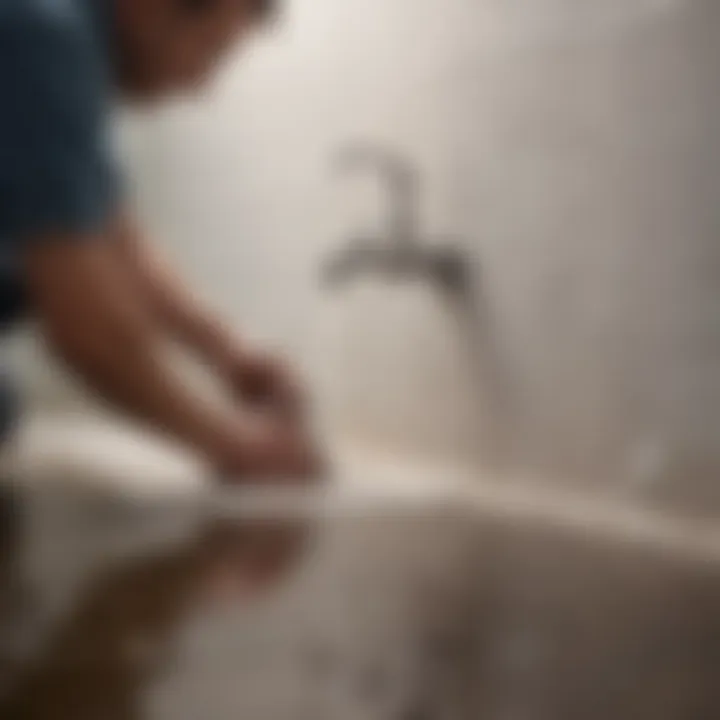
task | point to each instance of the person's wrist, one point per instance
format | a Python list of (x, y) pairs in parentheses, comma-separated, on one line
[(225, 354), (216, 343), (218, 440)]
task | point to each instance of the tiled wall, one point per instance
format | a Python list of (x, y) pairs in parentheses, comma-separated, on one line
[(571, 144)]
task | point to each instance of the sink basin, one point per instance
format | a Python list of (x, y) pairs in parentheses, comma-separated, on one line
[(402, 592)]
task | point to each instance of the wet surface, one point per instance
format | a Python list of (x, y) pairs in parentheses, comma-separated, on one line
[(432, 616)]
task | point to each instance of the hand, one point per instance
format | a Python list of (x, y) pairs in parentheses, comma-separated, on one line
[(241, 560), (262, 448), (264, 382)]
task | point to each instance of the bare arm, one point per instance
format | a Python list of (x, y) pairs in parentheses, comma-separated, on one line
[(93, 317), (175, 307), (251, 376)]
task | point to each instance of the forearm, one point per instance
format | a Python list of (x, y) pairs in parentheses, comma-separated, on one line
[(182, 315), (125, 367), (94, 320), (250, 376)]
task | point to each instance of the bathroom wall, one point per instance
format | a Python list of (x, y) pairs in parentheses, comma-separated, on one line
[(570, 145)]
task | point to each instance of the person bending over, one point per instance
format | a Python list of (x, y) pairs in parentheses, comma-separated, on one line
[(71, 256)]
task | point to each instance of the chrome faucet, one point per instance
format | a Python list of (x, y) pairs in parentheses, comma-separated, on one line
[(401, 253)]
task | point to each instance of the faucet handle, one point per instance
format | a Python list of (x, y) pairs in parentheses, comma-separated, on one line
[(401, 179), (389, 162)]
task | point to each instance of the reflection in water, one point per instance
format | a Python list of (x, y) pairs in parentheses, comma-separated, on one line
[(120, 634), (393, 616)]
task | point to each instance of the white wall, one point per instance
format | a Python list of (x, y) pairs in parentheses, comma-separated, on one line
[(572, 143)]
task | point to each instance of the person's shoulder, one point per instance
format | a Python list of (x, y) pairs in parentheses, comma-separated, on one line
[(49, 37), (58, 13), (51, 21)]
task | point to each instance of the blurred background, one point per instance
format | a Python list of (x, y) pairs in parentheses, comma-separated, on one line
[(488, 232)]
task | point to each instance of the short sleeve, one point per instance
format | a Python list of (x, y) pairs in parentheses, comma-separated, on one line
[(56, 169)]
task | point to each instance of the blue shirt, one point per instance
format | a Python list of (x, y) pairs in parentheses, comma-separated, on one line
[(56, 171)]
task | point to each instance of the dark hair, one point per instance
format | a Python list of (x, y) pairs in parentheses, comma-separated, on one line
[(261, 9)]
